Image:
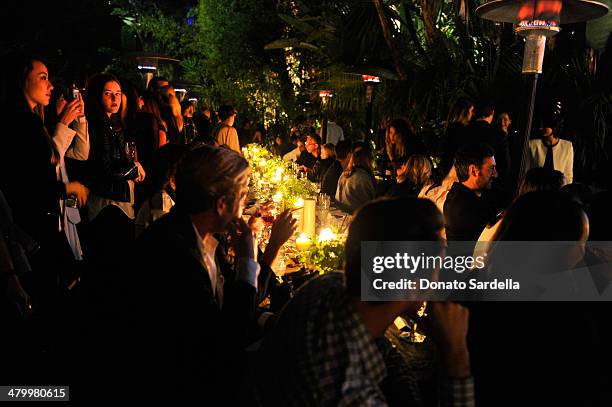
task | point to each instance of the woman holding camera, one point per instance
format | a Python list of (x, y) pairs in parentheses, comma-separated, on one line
[(33, 186), (113, 169)]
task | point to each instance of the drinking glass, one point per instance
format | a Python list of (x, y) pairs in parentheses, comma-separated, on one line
[(130, 150), (324, 201), (413, 333)]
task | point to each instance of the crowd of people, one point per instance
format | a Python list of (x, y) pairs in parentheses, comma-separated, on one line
[(128, 270)]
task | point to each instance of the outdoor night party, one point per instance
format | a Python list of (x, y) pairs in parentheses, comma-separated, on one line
[(306, 203)]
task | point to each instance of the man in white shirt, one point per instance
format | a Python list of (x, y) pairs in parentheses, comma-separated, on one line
[(334, 132), (194, 310)]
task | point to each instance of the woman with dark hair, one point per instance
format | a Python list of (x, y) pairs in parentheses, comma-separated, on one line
[(112, 171), (459, 116), (402, 141), (225, 133), (34, 189), (189, 126), (356, 185), (150, 105), (139, 126)]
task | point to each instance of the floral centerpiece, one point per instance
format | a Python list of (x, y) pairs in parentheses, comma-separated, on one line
[(281, 183), (325, 253)]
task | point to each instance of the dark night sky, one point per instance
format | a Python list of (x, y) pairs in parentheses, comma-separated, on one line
[(67, 33)]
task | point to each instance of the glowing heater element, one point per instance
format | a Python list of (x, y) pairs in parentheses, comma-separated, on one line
[(370, 78)]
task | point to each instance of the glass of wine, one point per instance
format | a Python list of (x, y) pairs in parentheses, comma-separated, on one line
[(130, 150)]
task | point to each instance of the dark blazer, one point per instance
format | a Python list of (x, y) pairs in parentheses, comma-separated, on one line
[(186, 336)]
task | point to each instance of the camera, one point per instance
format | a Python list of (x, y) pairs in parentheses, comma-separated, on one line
[(71, 202)]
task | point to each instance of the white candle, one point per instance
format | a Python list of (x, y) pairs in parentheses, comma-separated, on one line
[(302, 242), (309, 214)]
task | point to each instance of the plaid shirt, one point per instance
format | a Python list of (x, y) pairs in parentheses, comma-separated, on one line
[(321, 354)]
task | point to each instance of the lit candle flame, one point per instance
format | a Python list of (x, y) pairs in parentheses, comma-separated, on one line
[(326, 235)]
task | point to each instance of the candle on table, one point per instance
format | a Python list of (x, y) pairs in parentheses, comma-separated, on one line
[(302, 242), (326, 235), (309, 214)]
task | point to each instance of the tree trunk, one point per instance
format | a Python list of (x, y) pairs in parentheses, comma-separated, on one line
[(384, 24)]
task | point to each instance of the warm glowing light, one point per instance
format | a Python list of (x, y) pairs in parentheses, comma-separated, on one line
[(278, 177), (299, 203), (543, 10), (302, 242), (537, 23), (326, 235), (278, 197), (370, 78), (326, 94)]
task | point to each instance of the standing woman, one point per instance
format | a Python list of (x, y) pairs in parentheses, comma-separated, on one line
[(112, 171), (29, 163), (459, 116)]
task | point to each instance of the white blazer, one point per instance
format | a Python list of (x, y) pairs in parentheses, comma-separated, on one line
[(563, 157)]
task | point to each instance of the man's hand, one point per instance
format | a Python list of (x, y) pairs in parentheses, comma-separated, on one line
[(448, 324), (243, 240)]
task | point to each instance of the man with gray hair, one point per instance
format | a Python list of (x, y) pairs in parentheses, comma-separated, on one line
[(193, 310)]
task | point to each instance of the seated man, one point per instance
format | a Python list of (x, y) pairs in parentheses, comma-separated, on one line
[(466, 212), (329, 181), (308, 158), (192, 313), (323, 349)]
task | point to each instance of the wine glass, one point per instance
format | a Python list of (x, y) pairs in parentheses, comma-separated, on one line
[(130, 150), (411, 331)]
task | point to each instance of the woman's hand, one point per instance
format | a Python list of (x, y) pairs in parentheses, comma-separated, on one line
[(80, 191), (141, 172), (71, 111)]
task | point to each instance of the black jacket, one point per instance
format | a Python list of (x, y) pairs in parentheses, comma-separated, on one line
[(29, 180), (109, 167), (329, 183), (319, 169), (466, 214), (185, 337)]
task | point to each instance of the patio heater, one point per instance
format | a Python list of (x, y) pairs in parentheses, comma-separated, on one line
[(325, 96), (370, 81), (535, 21), (148, 63)]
